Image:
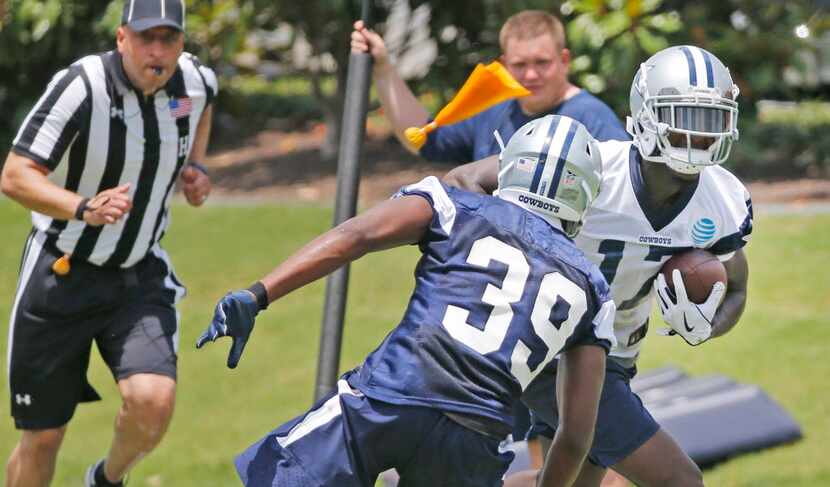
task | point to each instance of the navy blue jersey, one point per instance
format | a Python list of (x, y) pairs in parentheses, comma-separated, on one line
[(499, 293), (472, 139)]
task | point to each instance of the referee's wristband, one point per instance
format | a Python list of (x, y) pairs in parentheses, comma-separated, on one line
[(258, 290), (199, 167), (82, 207)]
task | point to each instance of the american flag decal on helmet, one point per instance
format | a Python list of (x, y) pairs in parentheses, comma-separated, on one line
[(180, 107), (524, 164)]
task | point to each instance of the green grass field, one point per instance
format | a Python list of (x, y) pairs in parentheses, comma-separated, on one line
[(780, 344)]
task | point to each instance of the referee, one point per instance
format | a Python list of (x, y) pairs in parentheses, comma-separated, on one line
[(96, 161)]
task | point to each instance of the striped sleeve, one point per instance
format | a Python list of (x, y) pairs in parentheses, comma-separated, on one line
[(56, 118), (211, 82), (208, 78)]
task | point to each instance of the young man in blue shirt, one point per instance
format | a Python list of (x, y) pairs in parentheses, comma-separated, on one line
[(535, 53)]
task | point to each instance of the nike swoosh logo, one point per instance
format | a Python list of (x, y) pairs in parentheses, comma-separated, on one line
[(686, 324)]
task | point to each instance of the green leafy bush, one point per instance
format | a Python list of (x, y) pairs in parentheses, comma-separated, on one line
[(786, 139)]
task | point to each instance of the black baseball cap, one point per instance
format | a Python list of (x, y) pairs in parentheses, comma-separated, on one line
[(141, 15)]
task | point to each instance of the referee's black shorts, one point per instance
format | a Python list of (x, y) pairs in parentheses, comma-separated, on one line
[(129, 313)]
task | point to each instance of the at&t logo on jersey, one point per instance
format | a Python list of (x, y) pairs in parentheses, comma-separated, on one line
[(703, 230)]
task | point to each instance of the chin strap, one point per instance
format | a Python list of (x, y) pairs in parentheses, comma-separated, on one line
[(499, 140), (684, 168)]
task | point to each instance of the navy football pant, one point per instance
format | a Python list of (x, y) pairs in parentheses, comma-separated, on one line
[(623, 423), (348, 439)]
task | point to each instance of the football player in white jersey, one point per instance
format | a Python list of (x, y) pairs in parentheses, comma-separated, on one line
[(662, 193)]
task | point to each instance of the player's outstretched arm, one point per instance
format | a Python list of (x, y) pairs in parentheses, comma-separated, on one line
[(578, 389), (480, 176), (393, 223), (400, 105), (390, 224), (732, 307)]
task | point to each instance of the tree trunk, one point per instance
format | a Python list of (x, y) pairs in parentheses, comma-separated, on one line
[(332, 119), (332, 107)]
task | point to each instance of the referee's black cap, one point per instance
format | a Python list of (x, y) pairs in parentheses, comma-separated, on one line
[(141, 15)]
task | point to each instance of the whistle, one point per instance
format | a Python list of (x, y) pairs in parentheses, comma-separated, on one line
[(61, 266), (158, 71)]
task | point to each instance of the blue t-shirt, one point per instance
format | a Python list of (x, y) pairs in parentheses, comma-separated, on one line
[(498, 294), (472, 139)]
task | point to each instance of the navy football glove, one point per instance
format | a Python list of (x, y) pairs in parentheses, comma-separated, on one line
[(234, 317)]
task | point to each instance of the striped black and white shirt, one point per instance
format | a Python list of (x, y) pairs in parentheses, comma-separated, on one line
[(94, 131)]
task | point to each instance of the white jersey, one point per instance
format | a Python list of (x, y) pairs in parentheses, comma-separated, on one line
[(630, 241)]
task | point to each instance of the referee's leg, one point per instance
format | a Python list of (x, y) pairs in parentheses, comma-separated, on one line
[(141, 350), (146, 410), (32, 462), (48, 354)]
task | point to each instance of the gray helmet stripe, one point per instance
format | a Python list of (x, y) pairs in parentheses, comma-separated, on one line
[(692, 68), (543, 156), (560, 163)]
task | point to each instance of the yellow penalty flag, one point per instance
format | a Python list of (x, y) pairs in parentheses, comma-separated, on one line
[(486, 86)]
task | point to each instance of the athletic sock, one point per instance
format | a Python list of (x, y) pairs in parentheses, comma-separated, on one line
[(101, 479)]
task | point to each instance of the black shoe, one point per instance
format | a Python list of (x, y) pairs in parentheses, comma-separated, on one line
[(95, 476)]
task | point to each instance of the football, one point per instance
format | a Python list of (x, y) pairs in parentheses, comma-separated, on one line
[(700, 270)]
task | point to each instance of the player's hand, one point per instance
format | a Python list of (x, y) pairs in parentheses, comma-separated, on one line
[(234, 317), (196, 185), (108, 206), (365, 40), (691, 321)]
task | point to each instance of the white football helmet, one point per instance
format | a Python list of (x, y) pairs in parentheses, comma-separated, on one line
[(683, 109), (552, 167)]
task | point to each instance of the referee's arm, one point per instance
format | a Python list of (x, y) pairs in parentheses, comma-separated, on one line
[(195, 181), (25, 181), (200, 142), (39, 147)]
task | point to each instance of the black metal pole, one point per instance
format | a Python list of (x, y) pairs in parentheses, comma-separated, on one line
[(348, 179)]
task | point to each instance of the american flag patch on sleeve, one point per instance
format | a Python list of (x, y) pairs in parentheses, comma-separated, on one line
[(180, 107)]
